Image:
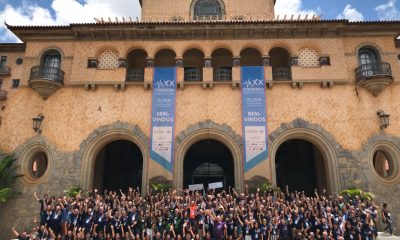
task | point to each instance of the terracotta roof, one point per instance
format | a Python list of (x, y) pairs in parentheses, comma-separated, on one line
[(200, 22)]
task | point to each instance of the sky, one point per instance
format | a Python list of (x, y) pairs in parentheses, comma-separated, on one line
[(63, 12)]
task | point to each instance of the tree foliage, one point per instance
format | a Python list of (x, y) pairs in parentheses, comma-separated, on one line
[(7, 177), (354, 192)]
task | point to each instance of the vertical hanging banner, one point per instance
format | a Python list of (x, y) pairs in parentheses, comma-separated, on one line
[(254, 116), (163, 116)]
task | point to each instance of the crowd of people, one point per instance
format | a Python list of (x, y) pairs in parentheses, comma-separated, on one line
[(175, 215)]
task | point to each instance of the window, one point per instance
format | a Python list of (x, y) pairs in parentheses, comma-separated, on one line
[(19, 61), (383, 165), (52, 60), (368, 60), (1, 84), (3, 61), (208, 9), (37, 165), (15, 83), (367, 56)]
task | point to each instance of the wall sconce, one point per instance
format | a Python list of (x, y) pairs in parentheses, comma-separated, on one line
[(384, 119), (37, 121)]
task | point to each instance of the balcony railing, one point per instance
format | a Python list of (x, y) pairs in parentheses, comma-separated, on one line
[(373, 70), (3, 95), (47, 73), (192, 75), (223, 74), (5, 71), (135, 75), (281, 73)]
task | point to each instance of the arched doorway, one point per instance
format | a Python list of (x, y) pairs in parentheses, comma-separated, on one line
[(300, 165), (208, 161), (118, 165)]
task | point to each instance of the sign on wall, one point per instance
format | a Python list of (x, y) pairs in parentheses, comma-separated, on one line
[(254, 116), (163, 116)]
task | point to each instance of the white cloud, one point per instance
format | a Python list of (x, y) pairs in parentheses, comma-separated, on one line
[(66, 11), (388, 11), (351, 14), (289, 7)]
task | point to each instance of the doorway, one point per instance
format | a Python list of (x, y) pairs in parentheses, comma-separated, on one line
[(300, 166), (119, 165), (208, 161)]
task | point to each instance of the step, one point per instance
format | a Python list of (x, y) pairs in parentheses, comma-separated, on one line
[(387, 236)]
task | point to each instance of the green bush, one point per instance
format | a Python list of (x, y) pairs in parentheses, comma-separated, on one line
[(353, 192), (7, 177), (73, 191), (160, 187)]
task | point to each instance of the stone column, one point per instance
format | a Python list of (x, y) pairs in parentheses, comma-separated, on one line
[(148, 71), (267, 68), (236, 69), (180, 71), (208, 70)]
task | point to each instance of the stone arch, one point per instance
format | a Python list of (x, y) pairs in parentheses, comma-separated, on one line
[(370, 45), (136, 47), (104, 48), (100, 137), (325, 143), (50, 48), (208, 130)]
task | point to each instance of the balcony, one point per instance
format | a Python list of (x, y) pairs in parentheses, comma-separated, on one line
[(192, 75), (374, 77), (135, 75), (3, 95), (46, 80), (281, 74), (5, 71), (223, 74)]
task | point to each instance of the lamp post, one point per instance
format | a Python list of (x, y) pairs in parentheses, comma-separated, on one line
[(37, 121), (384, 117)]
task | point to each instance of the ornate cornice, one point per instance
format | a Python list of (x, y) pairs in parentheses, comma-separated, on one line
[(237, 29)]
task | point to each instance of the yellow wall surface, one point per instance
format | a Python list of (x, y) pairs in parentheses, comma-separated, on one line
[(72, 113), (165, 10)]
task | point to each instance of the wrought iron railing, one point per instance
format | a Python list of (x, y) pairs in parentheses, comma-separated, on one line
[(370, 70), (192, 75), (3, 94), (5, 70), (223, 74), (47, 73), (135, 75), (281, 73)]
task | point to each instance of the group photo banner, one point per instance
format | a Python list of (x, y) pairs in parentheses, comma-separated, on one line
[(163, 116), (254, 116)]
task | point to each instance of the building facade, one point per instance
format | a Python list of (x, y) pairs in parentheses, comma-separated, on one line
[(91, 87)]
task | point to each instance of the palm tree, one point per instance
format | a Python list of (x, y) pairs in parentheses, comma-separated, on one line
[(7, 177)]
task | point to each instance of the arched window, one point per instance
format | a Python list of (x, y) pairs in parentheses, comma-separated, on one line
[(208, 9), (51, 59), (367, 55)]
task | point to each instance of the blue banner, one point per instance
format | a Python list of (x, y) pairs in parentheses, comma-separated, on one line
[(254, 116), (163, 116)]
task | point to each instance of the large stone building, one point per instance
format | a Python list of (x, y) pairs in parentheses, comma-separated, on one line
[(91, 88)]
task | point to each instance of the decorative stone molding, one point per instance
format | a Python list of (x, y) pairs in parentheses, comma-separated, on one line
[(315, 134), (236, 61), (207, 62), (376, 84), (179, 62), (265, 61), (149, 62), (45, 88), (208, 130)]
